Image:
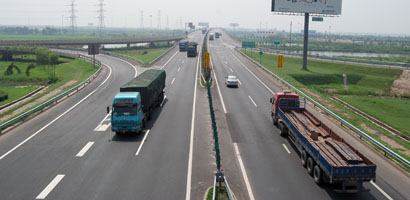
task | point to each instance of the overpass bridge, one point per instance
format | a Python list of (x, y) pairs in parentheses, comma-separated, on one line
[(126, 41)]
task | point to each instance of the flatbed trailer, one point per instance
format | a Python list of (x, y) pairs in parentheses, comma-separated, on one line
[(325, 154)]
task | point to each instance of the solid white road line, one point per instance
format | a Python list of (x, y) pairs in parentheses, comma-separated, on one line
[(162, 103), (253, 101), (169, 60), (380, 190), (219, 89), (136, 72), (142, 143), (231, 69), (179, 68), (172, 82), (239, 82), (191, 141), (50, 186), (252, 74), (57, 118), (245, 176), (286, 148), (84, 149)]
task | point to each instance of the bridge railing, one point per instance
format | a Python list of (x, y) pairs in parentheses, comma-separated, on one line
[(386, 150), (55, 99)]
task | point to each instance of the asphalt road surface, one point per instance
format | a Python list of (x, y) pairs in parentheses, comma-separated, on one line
[(69, 151), (271, 164)]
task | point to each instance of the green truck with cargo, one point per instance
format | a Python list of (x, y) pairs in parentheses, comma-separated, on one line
[(136, 101)]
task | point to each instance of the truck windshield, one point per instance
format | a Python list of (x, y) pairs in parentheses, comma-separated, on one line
[(124, 110)]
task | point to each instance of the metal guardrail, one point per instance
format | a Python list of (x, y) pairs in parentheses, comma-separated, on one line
[(23, 116), (342, 121), (228, 189)]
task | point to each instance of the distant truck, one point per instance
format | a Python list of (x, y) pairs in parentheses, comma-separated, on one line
[(192, 49), (211, 36), (183, 45), (137, 99), (203, 30), (325, 155), (217, 35)]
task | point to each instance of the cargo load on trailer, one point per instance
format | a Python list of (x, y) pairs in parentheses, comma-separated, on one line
[(325, 154)]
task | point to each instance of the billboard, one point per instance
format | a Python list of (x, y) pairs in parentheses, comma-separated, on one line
[(328, 7)]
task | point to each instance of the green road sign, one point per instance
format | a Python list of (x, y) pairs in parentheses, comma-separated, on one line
[(248, 44), (276, 43), (317, 19), (260, 52)]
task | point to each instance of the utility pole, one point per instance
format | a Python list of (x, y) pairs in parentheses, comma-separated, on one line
[(150, 16), (101, 24), (305, 41), (72, 17), (290, 38), (142, 19), (167, 27), (159, 19)]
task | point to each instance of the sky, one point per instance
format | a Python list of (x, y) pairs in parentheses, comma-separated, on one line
[(358, 16)]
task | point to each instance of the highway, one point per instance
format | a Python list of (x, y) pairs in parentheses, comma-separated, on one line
[(271, 163), (69, 151)]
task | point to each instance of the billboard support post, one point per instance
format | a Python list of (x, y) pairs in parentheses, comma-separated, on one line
[(305, 41)]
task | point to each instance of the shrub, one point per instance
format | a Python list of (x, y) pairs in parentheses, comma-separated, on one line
[(3, 96)]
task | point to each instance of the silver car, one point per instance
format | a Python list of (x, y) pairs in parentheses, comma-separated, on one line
[(231, 81)]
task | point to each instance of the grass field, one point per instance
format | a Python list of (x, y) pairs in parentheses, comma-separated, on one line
[(327, 77), (397, 110), (392, 59), (75, 70), (368, 90), (145, 55), (16, 92)]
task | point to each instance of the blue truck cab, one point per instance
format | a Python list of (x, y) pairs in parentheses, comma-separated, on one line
[(183, 45), (127, 114)]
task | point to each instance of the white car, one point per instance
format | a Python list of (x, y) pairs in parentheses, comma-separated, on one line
[(231, 81)]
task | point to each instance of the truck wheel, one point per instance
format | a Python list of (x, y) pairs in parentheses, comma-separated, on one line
[(149, 114), (275, 120), (303, 158), (317, 174), (283, 129), (309, 165), (144, 123)]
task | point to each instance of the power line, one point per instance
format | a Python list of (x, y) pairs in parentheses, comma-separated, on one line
[(101, 23), (72, 17)]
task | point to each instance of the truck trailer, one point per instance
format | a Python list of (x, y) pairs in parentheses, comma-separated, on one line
[(136, 101), (326, 156)]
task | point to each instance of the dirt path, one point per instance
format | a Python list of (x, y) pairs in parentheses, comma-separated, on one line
[(401, 86), (35, 102)]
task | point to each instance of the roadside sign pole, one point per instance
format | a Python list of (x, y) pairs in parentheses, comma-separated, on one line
[(305, 41)]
